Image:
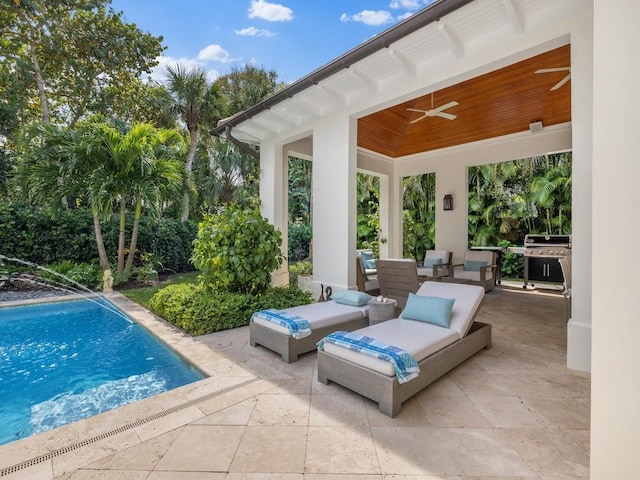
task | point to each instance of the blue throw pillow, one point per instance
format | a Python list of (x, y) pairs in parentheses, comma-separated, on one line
[(370, 264), (430, 262), (436, 310), (474, 265), (365, 256), (351, 297)]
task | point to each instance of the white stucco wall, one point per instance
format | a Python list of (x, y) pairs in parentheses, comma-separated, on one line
[(615, 379)]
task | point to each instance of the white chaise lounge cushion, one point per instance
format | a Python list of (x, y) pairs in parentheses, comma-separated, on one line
[(467, 301), (319, 315), (419, 339)]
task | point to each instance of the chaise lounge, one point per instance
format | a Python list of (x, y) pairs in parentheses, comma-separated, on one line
[(323, 318), (436, 349)]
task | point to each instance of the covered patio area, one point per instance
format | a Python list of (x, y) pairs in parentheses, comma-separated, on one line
[(512, 412)]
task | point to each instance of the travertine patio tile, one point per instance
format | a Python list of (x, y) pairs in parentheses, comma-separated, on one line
[(144, 456), (202, 448), (109, 475), (452, 412), (236, 414), (71, 461), (281, 410), (344, 450), (338, 410), (169, 422), (411, 415), (446, 451), (265, 476), (508, 412), (271, 449), (186, 476), (567, 413), (549, 452)]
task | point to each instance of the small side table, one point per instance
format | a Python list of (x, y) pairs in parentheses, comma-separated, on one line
[(381, 311)]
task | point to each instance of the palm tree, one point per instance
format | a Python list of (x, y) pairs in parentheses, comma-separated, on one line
[(140, 168), (196, 101)]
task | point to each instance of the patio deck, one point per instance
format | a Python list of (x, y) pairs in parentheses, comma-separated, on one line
[(512, 412)]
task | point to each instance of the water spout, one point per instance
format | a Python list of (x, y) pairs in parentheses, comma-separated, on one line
[(71, 286)]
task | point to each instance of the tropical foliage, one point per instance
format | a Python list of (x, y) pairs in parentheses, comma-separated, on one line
[(236, 251)]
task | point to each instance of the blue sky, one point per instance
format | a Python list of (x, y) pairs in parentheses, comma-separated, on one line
[(292, 37)]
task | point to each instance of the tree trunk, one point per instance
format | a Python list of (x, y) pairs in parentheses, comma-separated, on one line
[(121, 238), (40, 83), (102, 253), (134, 237), (193, 137)]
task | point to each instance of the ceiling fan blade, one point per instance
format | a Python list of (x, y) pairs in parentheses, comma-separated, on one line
[(561, 82), (448, 116), (419, 118), (415, 110), (445, 106), (557, 69)]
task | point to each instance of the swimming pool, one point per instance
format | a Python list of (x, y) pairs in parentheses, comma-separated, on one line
[(65, 361)]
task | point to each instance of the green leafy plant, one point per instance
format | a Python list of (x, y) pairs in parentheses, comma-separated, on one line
[(195, 310), (299, 268), (236, 250)]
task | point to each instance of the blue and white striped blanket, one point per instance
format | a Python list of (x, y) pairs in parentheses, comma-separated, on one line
[(298, 326), (404, 364)]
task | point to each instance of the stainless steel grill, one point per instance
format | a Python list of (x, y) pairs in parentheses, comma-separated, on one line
[(541, 254)]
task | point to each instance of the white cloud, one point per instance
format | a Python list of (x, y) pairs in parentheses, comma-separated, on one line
[(272, 12), (159, 72), (215, 53), (255, 32), (369, 17), (408, 4)]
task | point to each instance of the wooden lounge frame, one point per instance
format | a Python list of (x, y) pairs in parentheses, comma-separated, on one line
[(386, 390), (290, 348)]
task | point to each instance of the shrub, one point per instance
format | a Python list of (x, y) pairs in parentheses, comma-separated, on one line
[(236, 250), (30, 234), (299, 241), (196, 311), (299, 268)]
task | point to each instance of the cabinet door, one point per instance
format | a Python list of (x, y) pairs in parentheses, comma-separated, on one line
[(541, 269), (537, 269), (554, 271)]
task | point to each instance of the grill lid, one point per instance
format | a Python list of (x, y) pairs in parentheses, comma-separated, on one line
[(536, 240)]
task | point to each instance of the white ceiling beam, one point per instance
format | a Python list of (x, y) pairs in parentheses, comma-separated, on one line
[(311, 107), (515, 17), (264, 122), (286, 116), (404, 62), (333, 93), (451, 40), (366, 80)]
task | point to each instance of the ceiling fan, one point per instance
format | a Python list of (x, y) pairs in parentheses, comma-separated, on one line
[(558, 69), (434, 112)]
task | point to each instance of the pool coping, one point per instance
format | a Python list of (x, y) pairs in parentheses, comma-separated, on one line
[(146, 418)]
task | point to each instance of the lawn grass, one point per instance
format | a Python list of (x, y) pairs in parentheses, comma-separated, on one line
[(142, 295)]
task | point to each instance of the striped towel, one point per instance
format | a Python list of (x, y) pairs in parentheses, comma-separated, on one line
[(404, 364), (298, 326)]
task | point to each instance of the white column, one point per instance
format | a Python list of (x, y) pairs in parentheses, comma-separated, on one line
[(579, 326), (274, 193), (451, 225), (615, 385), (334, 203)]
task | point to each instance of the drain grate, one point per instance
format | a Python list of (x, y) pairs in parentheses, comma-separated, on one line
[(83, 443)]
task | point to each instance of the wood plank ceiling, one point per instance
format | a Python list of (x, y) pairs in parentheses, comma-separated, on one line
[(498, 103)]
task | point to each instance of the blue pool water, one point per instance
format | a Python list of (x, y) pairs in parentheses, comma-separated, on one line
[(61, 362)]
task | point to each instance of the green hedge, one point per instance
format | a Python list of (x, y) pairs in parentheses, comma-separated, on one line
[(195, 310), (30, 234)]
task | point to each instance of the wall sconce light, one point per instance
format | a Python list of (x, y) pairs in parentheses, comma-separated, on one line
[(447, 202)]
